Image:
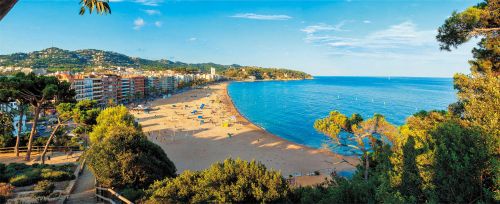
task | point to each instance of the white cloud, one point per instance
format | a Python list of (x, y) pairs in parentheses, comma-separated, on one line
[(403, 34), (115, 0), (367, 21), (401, 39), (152, 12), (158, 24), (138, 23), (261, 17), (192, 39), (323, 27), (149, 2)]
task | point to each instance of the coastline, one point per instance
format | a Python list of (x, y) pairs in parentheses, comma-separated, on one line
[(195, 145)]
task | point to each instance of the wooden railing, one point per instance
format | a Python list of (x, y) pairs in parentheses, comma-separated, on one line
[(40, 149), (110, 196)]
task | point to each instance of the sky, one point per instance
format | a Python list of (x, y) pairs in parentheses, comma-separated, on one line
[(323, 38)]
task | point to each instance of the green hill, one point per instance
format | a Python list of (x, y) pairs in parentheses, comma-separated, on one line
[(56, 59)]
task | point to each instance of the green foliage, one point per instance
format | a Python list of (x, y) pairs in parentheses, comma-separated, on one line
[(125, 158), (56, 175), (112, 118), (100, 6), (460, 163), (132, 194), (45, 188), (86, 112), (232, 181), (244, 72), (6, 128), (18, 174), (479, 92), (456, 29)]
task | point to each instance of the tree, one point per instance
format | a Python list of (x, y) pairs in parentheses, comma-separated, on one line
[(6, 129), (100, 6), (64, 111), (460, 164), (363, 135), (479, 92), (232, 181), (127, 159), (41, 92), (111, 118), (9, 93), (85, 114)]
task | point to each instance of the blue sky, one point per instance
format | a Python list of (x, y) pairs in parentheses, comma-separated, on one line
[(343, 37)]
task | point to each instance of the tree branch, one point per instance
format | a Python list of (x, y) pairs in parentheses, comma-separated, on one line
[(5, 6)]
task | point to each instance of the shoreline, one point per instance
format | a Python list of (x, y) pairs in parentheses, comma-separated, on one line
[(233, 106), (194, 145)]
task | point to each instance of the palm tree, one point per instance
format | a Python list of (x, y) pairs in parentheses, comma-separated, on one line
[(100, 6)]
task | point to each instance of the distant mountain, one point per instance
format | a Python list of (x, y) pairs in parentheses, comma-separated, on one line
[(56, 59)]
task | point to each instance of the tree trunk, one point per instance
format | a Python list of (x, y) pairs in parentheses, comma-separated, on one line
[(367, 166), (48, 142), (33, 132), (5, 6), (19, 128)]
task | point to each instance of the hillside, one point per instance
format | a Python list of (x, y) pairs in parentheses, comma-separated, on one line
[(56, 59)]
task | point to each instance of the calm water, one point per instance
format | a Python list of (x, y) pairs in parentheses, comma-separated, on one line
[(289, 108)]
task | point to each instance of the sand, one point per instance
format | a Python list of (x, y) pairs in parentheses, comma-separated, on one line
[(195, 146)]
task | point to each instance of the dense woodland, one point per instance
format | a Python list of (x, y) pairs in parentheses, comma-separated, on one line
[(447, 156)]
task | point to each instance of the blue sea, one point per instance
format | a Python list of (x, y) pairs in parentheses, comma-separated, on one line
[(288, 109)]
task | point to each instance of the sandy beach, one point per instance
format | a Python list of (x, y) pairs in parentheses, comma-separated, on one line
[(195, 140)]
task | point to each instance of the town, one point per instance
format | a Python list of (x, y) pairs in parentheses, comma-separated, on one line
[(125, 86)]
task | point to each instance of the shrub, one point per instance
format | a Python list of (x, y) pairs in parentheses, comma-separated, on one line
[(46, 188), (127, 159), (233, 181), (21, 180), (55, 175), (5, 191)]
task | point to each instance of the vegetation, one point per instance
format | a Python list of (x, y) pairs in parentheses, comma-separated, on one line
[(363, 135), (5, 192), (40, 91), (232, 181), (121, 156), (55, 59), (45, 187), (24, 175), (6, 139), (437, 156), (110, 119), (264, 73)]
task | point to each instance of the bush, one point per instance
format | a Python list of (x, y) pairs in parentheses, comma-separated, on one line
[(233, 181), (22, 180), (5, 192), (46, 188), (55, 175), (24, 175), (127, 159)]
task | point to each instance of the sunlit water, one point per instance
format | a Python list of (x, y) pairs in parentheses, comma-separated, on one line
[(288, 109)]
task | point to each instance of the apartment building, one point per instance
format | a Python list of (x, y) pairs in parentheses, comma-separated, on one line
[(168, 84), (123, 88), (153, 87)]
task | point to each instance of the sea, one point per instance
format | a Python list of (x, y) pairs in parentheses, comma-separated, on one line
[(288, 109)]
